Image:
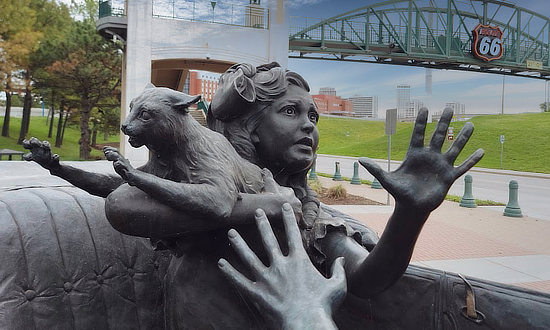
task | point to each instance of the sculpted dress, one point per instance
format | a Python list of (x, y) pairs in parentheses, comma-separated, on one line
[(198, 296)]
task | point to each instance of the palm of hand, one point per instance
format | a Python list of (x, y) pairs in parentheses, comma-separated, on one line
[(422, 180), (426, 174)]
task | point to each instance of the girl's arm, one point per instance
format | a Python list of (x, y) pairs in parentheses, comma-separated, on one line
[(419, 186), (133, 211)]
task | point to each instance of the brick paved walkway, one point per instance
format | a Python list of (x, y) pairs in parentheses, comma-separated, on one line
[(472, 240)]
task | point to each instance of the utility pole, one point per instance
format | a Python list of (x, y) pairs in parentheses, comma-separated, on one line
[(545, 96), (502, 105), (390, 128)]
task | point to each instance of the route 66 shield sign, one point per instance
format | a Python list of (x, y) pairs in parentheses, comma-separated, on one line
[(487, 43)]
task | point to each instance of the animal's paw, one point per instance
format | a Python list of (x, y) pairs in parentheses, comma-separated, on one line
[(40, 152), (121, 165), (285, 194), (112, 153)]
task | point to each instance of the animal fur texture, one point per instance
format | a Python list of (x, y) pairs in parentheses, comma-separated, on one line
[(208, 171)]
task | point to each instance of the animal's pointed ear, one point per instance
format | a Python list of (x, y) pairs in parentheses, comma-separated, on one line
[(184, 105), (149, 86), (194, 99), (254, 137)]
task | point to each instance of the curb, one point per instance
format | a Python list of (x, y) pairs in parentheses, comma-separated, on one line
[(473, 169)]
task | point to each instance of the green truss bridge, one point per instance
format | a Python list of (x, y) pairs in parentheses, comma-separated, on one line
[(428, 33)]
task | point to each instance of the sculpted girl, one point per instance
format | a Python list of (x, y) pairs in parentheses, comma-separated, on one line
[(270, 119)]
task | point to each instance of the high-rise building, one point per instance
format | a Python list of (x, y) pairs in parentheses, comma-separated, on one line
[(365, 106), (413, 107), (327, 91), (458, 108), (403, 100), (203, 83)]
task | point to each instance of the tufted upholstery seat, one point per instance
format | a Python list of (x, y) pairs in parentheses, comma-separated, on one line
[(62, 266)]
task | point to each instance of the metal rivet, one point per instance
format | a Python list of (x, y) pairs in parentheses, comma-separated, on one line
[(67, 287), (131, 272), (30, 294)]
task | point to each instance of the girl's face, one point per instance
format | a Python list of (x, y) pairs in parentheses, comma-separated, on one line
[(287, 138)]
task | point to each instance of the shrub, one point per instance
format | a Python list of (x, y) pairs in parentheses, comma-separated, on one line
[(337, 192), (316, 186)]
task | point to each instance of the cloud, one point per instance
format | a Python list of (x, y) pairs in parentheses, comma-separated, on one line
[(300, 3), (510, 88)]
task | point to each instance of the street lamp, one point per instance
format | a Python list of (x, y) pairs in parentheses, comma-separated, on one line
[(213, 4)]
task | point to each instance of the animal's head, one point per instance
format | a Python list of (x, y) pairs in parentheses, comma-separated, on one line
[(156, 116)]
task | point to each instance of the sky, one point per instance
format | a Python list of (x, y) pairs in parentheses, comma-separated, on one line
[(480, 92)]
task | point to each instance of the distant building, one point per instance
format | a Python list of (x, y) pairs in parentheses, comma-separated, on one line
[(403, 101), (365, 106), (203, 83), (327, 91), (412, 108), (333, 105), (458, 108)]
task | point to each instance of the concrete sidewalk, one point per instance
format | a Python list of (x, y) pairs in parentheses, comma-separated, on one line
[(478, 242)]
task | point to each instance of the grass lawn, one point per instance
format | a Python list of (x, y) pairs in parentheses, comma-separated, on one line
[(39, 129), (526, 146)]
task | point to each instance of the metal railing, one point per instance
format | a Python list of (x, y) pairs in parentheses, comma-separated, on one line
[(111, 8), (218, 12), (422, 39)]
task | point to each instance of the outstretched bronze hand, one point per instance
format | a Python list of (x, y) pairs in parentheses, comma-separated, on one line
[(425, 176), (41, 152), (419, 186), (290, 293)]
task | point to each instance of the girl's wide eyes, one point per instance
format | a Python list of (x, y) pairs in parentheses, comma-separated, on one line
[(313, 117), (289, 110), (145, 115)]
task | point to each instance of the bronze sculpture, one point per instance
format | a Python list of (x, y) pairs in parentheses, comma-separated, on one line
[(286, 303), (269, 117)]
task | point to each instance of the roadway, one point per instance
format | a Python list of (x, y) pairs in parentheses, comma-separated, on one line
[(17, 112), (534, 188)]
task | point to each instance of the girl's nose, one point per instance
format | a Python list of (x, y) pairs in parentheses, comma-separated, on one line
[(308, 126)]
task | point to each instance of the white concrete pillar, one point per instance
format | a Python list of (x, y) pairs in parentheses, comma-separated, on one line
[(138, 66), (279, 28)]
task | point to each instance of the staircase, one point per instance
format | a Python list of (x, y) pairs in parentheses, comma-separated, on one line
[(199, 116)]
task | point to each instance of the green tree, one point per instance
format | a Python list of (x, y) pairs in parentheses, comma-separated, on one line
[(18, 39), (25, 26), (52, 22), (90, 71), (545, 106)]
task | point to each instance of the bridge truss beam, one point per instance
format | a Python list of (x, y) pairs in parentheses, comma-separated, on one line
[(428, 33)]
